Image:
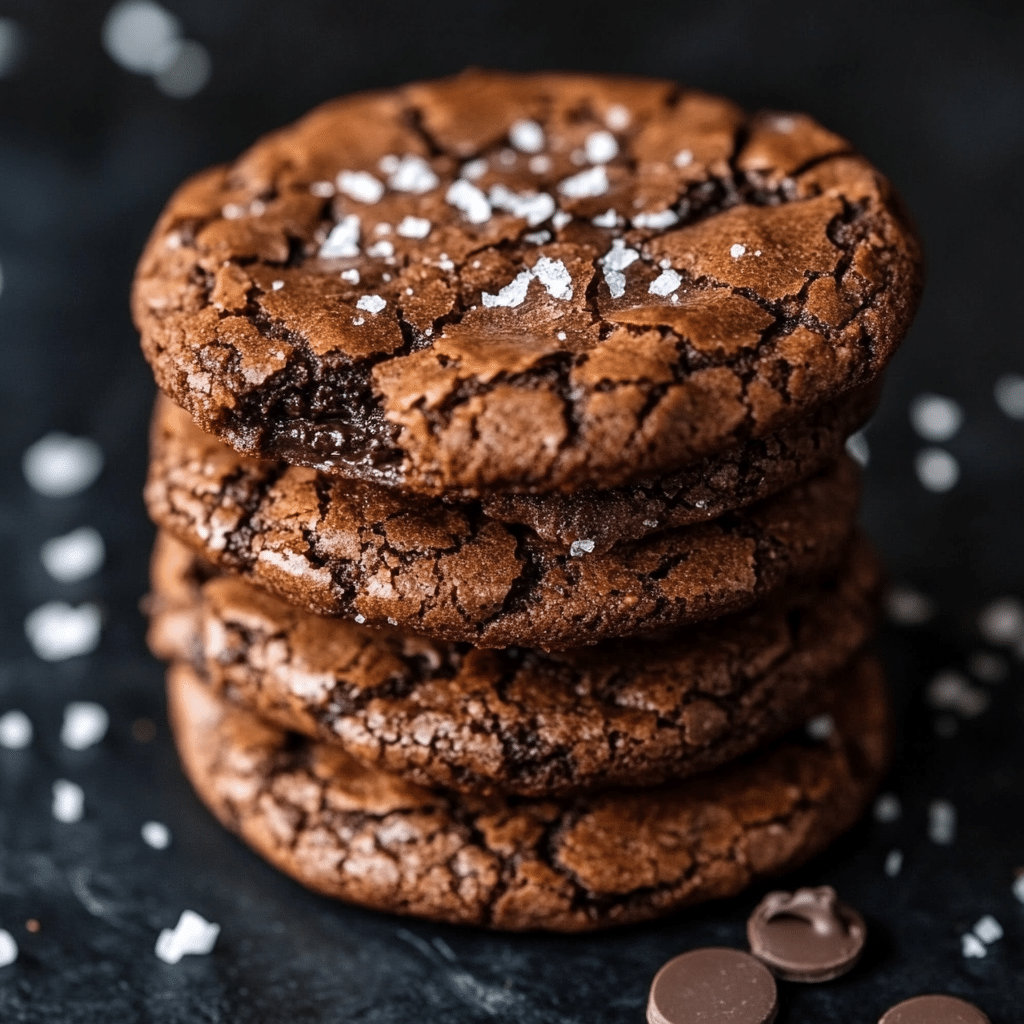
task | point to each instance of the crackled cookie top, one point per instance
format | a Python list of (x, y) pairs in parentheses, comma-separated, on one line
[(525, 282), (568, 864), (366, 552), (517, 720)]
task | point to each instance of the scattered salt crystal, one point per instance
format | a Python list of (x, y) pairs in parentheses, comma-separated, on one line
[(618, 257), (15, 730), (580, 547), (561, 335), (951, 690), (277, 285), (361, 186), (617, 117), (736, 250), (560, 219), (988, 667), (392, 622), (857, 448), (413, 174), (936, 469), (381, 249), (586, 184), (59, 465), (1018, 888), (988, 929), (665, 283), (533, 207), (908, 607), (68, 802), (540, 164), (352, 276), (512, 295), (554, 276), (1002, 621), (74, 556), (343, 241), (683, 158), (893, 863), (360, 619), (601, 147), (257, 208), (322, 189), (972, 947), (888, 808), (389, 163), (1009, 392), (371, 303), (414, 227), (527, 136), (474, 169), (232, 211), (467, 198), (191, 935), (58, 631), (941, 822), (656, 221), (608, 219), (821, 727), (8, 948), (156, 834), (537, 237), (85, 724), (358, 321), (935, 418)]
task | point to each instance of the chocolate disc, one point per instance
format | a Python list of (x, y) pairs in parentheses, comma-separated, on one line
[(808, 935), (934, 1010), (705, 986)]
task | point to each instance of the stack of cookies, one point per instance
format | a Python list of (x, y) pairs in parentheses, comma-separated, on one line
[(507, 538)]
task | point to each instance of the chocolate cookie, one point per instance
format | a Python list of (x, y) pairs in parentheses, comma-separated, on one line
[(524, 282), (369, 837), (516, 720), (361, 550)]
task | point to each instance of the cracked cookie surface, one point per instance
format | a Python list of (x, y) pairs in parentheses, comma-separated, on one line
[(366, 552), (368, 837), (516, 721), (528, 283)]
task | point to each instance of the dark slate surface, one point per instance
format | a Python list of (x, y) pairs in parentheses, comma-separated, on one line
[(934, 93)]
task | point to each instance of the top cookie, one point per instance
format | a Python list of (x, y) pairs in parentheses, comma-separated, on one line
[(524, 283)]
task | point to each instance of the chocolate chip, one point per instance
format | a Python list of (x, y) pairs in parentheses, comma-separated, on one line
[(934, 1010), (708, 985), (808, 935)]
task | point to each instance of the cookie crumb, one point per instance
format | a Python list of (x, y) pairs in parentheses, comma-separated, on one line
[(15, 730), (68, 802), (85, 724), (33, 926), (156, 834), (192, 935)]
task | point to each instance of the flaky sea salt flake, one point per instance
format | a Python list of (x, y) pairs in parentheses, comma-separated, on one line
[(893, 863), (665, 283), (937, 470), (343, 241), (74, 556), (68, 802), (413, 174), (352, 276), (561, 219), (59, 465), (578, 548), (361, 186), (988, 929), (15, 730), (608, 219), (736, 250), (935, 417), (512, 295), (192, 935), (381, 250), (58, 631), (277, 285), (85, 724), (585, 185), (656, 221), (469, 200), (322, 189), (533, 207), (972, 947), (601, 147), (526, 136), (371, 303), (414, 227), (156, 835), (554, 276), (941, 822)]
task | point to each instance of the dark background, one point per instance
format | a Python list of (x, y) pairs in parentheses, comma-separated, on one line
[(933, 93)]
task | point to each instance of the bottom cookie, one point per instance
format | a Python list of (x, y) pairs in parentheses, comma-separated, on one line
[(368, 837)]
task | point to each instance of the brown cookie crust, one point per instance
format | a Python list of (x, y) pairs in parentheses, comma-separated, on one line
[(517, 721), (368, 837), (360, 550), (750, 269)]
